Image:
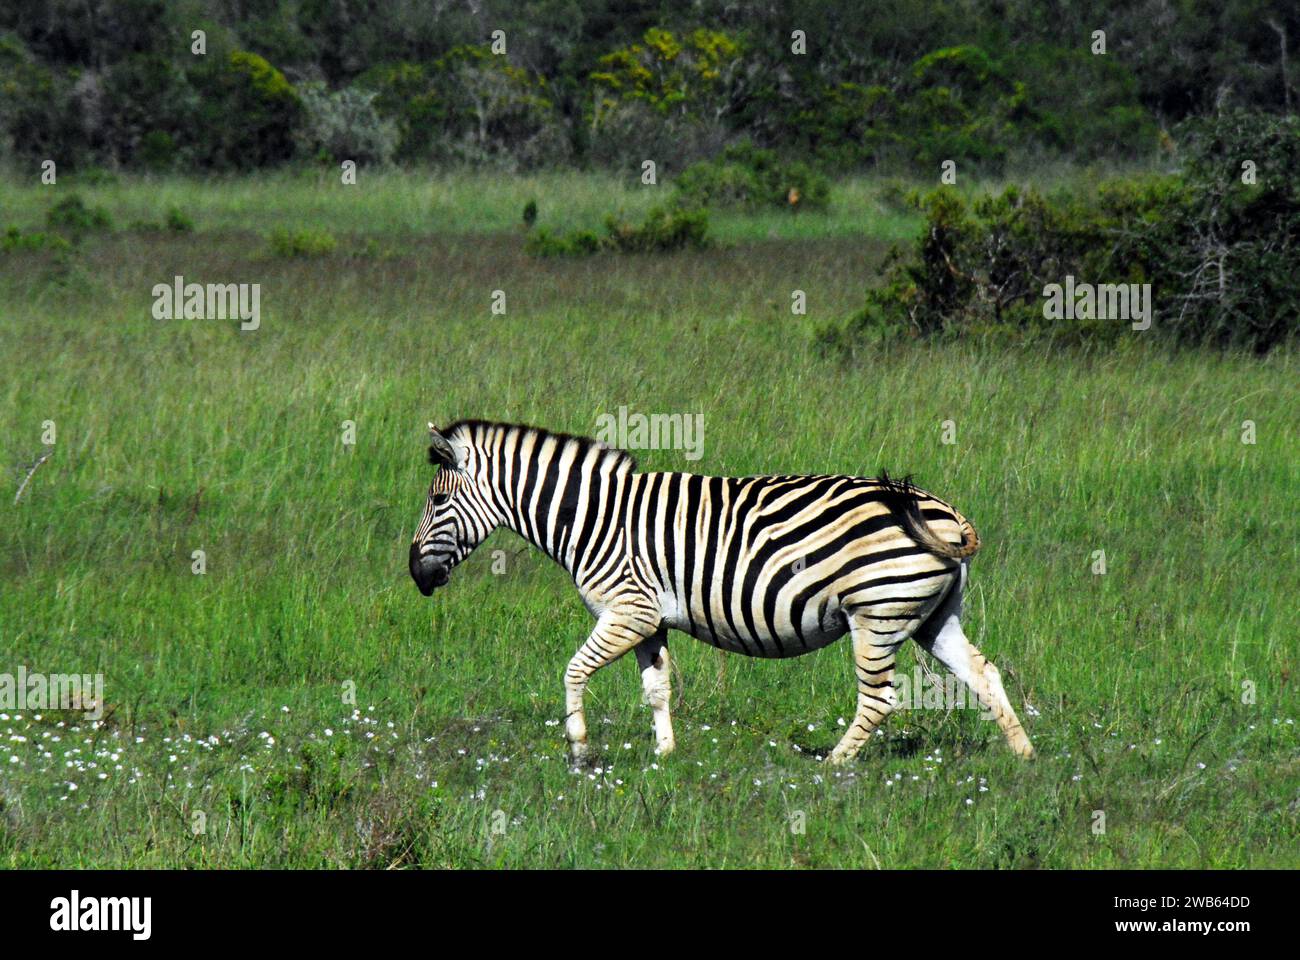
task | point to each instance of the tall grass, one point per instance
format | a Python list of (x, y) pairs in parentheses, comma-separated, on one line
[(447, 203)]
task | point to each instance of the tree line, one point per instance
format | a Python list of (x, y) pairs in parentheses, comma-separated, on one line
[(217, 85)]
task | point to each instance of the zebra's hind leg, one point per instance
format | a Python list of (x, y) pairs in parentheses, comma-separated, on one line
[(615, 634), (873, 662), (652, 658), (944, 639)]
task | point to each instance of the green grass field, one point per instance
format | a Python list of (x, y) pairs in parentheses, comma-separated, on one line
[(229, 739)]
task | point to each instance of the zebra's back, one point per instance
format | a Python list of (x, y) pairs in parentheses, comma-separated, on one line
[(768, 566)]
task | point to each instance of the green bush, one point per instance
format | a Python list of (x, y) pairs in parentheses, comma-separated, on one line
[(469, 105), (179, 221), (75, 216), (290, 244), (745, 175), (664, 229), (1225, 252), (251, 113), (1219, 254), (545, 243), (14, 240), (149, 109)]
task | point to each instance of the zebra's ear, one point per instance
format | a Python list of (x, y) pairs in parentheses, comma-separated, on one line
[(441, 452)]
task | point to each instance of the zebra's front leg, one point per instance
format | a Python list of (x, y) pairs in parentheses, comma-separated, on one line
[(652, 658), (873, 661), (613, 636)]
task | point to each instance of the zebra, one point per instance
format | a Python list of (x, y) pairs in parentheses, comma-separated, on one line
[(767, 566)]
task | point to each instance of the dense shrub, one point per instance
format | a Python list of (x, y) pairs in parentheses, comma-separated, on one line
[(577, 243), (149, 111), (1225, 256), (667, 97), (73, 215), (178, 221), (250, 113), (345, 125), (13, 240), (664, 229), (469, 105), (1219, 254), (744, 175), (41, 114), (291, 244)]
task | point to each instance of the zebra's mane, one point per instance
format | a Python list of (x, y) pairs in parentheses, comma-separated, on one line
[(583, 444)]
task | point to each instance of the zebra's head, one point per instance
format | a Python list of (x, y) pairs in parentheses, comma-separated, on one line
[(458, 514)]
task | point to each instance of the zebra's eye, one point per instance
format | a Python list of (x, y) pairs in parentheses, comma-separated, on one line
[(440, 498)]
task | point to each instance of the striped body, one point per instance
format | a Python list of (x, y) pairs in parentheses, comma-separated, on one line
[(768, 566), (771, 566)]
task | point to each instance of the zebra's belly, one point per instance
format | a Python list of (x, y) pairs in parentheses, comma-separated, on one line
[(818, 627)]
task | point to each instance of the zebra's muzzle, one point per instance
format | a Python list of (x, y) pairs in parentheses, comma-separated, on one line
[(427, 572)]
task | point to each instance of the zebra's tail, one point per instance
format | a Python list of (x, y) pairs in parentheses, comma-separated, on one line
[(901, 496)]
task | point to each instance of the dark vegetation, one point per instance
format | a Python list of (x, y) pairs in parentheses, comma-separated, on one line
[(1216, 242), (910, 83)]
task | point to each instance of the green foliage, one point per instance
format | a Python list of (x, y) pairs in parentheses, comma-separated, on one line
[(667, 96), (178, 221), (41, 116), (150, 110), (670, 74), (983, 82), (1223, 253), (971, 105), (468, 105), (744, 175), (407, 95), (664, 229), (251, 113), (14, 240), (1219, 254), (544, 242), (73, 215), (293, 244)]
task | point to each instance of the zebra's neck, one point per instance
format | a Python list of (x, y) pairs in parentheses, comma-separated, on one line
[(562, 494)]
